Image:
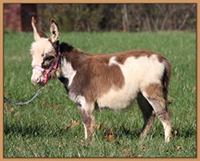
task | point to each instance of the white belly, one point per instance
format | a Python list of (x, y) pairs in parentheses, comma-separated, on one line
[(117, 98)]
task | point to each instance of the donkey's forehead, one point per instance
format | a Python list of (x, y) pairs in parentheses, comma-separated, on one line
[(41, 46)]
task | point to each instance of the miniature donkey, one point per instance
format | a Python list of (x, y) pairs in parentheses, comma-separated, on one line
[(104, 80)]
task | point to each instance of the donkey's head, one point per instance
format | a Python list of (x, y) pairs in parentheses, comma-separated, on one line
[(44, 52)]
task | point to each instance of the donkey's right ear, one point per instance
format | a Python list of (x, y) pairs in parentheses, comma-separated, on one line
[(36, 33)]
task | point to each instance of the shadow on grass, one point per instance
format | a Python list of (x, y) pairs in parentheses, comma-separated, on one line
[(127, 132), (120, 132), (34, 130), (56, 131)]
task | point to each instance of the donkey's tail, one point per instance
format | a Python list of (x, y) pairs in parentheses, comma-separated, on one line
[(166, 78)]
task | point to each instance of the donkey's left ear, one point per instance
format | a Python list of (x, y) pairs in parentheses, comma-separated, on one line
[(54, 31)]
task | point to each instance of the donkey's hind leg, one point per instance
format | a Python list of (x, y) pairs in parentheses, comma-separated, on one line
[(155, 96), (147, 112)]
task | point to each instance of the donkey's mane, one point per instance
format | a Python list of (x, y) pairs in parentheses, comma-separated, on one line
[(65, 47)]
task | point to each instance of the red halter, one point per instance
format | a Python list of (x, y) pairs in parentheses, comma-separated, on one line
[(53, 66)]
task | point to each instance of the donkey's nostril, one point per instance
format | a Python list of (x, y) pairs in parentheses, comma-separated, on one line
[(38, 79), (35, 81)]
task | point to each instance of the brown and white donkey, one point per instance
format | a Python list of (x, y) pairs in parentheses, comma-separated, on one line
[(104, 80)]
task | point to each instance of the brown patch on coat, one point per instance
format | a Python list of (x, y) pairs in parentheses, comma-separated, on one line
[(154, 90), (156, 96)]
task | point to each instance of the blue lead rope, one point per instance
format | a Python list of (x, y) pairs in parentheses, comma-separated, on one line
[(23, 103)]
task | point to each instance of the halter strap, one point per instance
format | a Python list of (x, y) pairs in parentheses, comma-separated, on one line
[(38, 68)]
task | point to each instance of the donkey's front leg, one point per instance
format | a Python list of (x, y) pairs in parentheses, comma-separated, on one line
[(88, 122)]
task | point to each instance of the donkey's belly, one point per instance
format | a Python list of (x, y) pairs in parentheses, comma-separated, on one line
[(117, 99)]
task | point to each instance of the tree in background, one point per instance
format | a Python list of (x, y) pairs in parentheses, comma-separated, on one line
[(119, 17)]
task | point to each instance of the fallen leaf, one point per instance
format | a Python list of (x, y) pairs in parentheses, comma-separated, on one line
[(44, 102), (178, 148), (73, 124), (144, 147), (110, 135), (139, 155), (11, 110)]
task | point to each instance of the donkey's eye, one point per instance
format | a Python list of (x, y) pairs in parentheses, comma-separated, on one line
[(42, 55), (48, 58), (47, 61)]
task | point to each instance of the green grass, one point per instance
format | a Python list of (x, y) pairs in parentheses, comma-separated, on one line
[(44, 128)]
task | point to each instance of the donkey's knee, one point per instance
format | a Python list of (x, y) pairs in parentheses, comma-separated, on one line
[(88, 122)]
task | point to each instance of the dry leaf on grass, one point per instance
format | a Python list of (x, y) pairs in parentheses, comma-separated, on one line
[(110, 135), (144, 147), (44, 102), (178, 148), (73, 124), (11, 110)]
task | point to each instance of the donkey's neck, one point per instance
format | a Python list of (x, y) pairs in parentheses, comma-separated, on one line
[(70, 62), (72, 55)]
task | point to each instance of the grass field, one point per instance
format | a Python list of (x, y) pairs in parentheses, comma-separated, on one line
[(51, 125)]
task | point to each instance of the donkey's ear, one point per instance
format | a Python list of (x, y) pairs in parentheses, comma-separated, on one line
[(36, 33), (54, 31)]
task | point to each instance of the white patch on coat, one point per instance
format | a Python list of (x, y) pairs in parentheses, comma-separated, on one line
[(67, 71), (138, 73), (113, 61), (42, 46)]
